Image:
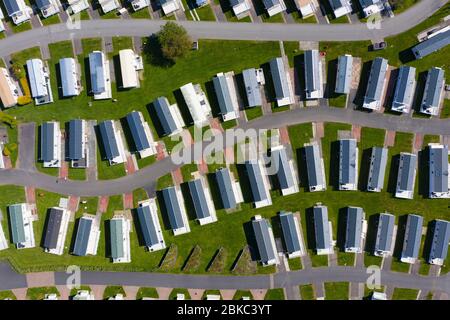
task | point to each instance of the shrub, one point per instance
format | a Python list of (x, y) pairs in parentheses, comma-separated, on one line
[(24, 100)]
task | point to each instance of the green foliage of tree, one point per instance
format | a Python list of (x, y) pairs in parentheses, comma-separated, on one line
[(174, 40)]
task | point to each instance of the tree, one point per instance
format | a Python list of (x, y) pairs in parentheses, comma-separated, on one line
[(174, 41)]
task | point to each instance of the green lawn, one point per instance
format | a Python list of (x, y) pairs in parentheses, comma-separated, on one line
[(371, 260), (164, 182), (120, 43), (173, 294), (295, 264), (291, 49), (346, 259), (318, 260), (109, 15), (147, 293), (299, 19), (307, 292), (336, 290), (278, 18), (7, 295), (399, 6), (397, 51), (445, 113), (253, 113), (140, 14), (399, 266), (51, 20), (242, 293), (342, 19), (232, 18), (274, 294), (205, 13), (404, 294), (39, 293), (77, 173), (112, 291), (338, 102), (21, 28)]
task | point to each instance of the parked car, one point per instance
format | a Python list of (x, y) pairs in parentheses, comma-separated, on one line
[(379, 46)]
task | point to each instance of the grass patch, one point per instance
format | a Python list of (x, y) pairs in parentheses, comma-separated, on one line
[(239, 294), (346, 258), (112, 291), (8, 294), (77, 174), (338, 102), (169, 261), (139, 195), (229, 124), (336, 290), (205, 13), (295, 264), (274, 294), (74, 291), (424, 269), (21, 27), (404, 294), (253, 113), (164, 182), (371, 260), (173, 294), (39, 293), (140, 14), (445, 113), (211, 292), (51, 20), (147, 292), (307, 292), (244, 264), (318, 261), (399, 266)]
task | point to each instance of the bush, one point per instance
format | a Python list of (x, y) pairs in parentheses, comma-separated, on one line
[(24, 100), (169, 260), (193, 261), (8, 119), (174, 41), (217, 265)]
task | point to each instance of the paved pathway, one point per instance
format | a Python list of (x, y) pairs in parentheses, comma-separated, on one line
[(224, 30)]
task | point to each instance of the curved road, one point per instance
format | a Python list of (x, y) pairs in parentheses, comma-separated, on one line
[(148, 175), (9, 279), (224, 30)]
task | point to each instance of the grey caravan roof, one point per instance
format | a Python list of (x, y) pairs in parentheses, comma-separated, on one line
[(344, 74), (312, 76), (164, 115), (137, 131), (385, 232), (313, 165), (279, 78), (173, 208), (281, 165), (262, 236), (441, 238), (226, 188), (96, 69), (355, 217), (54, 224), (432, 44), (16, 221), (413, 236), (438, 169), (376, 79), (42, 4), (405, 179), (270, 3), (223, 94), (199, 199), (321, 227), (67, 80), (252, 88), (236, 2), (336, 4), (47, 140), (290, 233), (117, 238), (75, 139), (82, 238), (433, 87), (148, 229), (378, 161), (256, 181), (367, 3), (404, 88), (37, 79), (11, 6), (109, 139), (347, 161)]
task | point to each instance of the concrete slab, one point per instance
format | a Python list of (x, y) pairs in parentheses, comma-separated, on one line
[(20, 293), (389, 139), (258, 294), (196, 294), (97, 291), (131, 292), (103, 204), (177, 176), (163, 293), (227, 294), (40, 279)]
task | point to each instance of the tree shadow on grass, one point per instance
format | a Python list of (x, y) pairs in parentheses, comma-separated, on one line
[(153, 54)]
